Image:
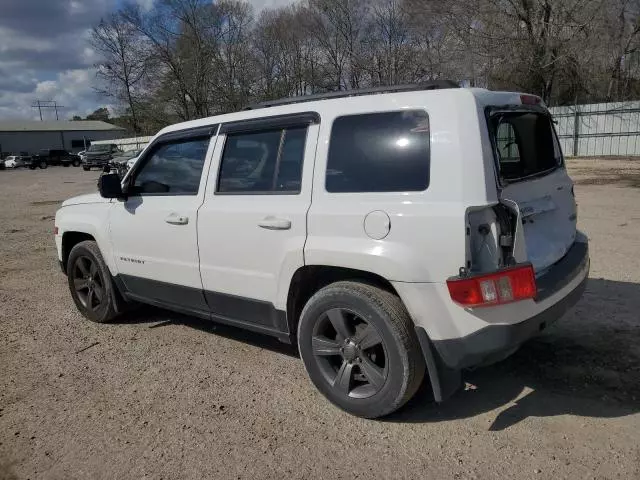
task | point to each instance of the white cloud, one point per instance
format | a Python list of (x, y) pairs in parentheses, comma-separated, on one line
[(259, 5), (145, 5), (71, 89), (45, 55)]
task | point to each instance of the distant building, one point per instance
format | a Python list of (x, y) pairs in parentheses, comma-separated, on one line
[(32, 136)]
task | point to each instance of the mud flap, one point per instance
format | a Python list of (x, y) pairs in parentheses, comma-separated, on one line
[(445, 381)]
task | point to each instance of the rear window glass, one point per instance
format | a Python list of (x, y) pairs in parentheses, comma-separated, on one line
[(379, 152), (525, 144)]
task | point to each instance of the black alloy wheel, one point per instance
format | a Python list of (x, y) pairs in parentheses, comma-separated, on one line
[(91, 285), (88, 283), (350, 353), (359, 348)]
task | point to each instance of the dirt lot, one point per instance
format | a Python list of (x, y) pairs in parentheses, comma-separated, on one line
[(162, 396)]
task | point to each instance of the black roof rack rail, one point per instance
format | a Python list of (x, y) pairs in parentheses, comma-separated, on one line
[(432, 85)]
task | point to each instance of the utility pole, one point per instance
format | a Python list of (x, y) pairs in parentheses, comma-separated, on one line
[(40, 104), (39, 109)]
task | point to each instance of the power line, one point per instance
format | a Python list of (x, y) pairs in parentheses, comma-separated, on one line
[(40, 104)]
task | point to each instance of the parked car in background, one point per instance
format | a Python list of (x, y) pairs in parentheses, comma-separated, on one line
[(15, 161), (53, 156), (126, 157), (100, 155)]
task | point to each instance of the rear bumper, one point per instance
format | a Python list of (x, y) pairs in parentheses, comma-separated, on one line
[(454, 338), (495, 342)]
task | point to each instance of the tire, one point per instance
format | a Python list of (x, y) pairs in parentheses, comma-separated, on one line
[(32, 167), (392, 348), (43, 165), (86, 169), (86, 269), (77, 163)]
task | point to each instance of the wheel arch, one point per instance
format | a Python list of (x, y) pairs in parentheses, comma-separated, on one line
[(69, 240), (308, 279)]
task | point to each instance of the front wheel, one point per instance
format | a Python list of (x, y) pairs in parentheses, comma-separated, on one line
[(43, 165), (90, 283), (76, 163), (359, 347), (32, 167)]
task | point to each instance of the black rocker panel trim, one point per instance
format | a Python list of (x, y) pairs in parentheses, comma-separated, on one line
[(167, 293), (246, 310), (241, 312)]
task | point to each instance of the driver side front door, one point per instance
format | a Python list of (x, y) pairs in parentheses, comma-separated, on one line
[(153, 232)]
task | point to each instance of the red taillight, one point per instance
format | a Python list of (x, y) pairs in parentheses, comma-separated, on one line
[(530, 100), (55, 230), (505, 286)]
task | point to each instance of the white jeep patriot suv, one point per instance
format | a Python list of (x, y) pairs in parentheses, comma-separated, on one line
[(388, 232)]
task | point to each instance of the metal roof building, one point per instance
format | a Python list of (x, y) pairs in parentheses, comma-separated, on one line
[(32, 136)]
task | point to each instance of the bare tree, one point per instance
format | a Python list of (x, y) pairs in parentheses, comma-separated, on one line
[(123, 64), (185, 59), (621, 24), (235, 63)]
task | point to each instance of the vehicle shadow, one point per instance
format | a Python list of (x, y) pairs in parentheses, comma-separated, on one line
[(160, 318), (587, 364)]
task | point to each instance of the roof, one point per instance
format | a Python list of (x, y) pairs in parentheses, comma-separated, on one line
[(432, 85), (54, 126), (331, 106)]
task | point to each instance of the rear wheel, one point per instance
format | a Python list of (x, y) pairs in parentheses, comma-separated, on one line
[(90, 283), (359, 348), (43, 164)]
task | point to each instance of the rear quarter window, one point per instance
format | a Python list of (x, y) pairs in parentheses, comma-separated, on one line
[(379, 152)]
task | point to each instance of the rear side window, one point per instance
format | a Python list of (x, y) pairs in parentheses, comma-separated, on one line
[(525, 144), (263, 162), (379, 152)]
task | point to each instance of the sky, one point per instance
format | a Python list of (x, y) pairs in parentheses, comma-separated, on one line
[(45, 55)]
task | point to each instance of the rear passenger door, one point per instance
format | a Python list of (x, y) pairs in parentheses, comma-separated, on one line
[(252, 225)]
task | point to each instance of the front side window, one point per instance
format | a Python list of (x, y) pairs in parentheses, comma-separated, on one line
[(172, 168), (379, 152), (263, 162)]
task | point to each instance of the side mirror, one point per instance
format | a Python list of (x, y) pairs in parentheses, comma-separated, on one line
[(110, 186)]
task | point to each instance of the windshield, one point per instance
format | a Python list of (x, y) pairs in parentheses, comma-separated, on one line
[(98, 148), (131, 153), (525, 144)]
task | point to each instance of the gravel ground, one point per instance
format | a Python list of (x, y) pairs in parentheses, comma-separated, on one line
[(163, 396)]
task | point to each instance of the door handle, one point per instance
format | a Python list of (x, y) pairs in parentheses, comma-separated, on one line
[(175, 219), (274, 223)]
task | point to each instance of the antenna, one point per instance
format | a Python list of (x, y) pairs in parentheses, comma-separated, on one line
[(40, 104)]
